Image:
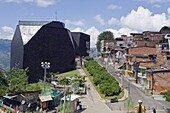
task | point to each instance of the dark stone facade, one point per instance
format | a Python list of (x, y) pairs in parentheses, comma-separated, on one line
[(51, 43), (82, 42)]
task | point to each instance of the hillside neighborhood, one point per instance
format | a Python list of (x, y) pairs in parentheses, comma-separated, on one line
[(47, 51)]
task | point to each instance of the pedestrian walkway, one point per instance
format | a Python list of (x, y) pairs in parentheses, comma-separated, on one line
[(92, 102)]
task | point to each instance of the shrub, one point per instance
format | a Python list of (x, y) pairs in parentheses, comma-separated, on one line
[(167, 95), (107, 84)]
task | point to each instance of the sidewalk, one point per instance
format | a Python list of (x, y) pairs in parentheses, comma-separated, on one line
[(92, 102)]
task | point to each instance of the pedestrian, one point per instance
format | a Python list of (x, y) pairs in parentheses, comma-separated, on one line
[(154, 110), (140, 108), (88, 86)]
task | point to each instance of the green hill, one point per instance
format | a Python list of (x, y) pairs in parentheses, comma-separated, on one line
[(5, 46)]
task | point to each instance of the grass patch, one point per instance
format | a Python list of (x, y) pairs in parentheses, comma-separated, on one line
[(97, 88), (70, 73), (38, 86)]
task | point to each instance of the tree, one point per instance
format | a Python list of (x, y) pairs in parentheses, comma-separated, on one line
[(13, 80), (16, 79), (3, 84), (106, 35), (65, 81)]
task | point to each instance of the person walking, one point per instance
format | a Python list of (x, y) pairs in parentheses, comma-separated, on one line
[(154, 110), (140, 108)]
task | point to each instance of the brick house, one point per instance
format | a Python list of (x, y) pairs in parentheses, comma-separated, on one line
[(136, 58), (149, 43), (152, 35), (158, 79), (149, 58)]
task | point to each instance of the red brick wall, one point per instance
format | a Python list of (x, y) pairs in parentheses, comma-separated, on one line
[(162, 81), (157, 37), (140, 59), (161, 59), (148, 43), (142, 50), (147, 64), (153, 35)]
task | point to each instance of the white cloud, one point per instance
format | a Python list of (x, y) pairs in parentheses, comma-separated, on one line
[(113, 21), (45, 3), (168, 10), (99, 19), (121, 31), (40, 3), (6, 32), (77, 29), (113, 7), (92, 31), (143, 19), (76, 23)]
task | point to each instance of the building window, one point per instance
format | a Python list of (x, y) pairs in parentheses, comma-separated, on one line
[(152, 57)]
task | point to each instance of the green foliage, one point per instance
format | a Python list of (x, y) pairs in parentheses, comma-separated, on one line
[(80, 80), (16, 79), (13, 80), (101, 78), (106, 35), (3, 84), (70, 73), (65, 81), (167, 95), (88, 58), (34, 87), (139, 36)]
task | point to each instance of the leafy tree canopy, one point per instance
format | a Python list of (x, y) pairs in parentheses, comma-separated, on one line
[(106, 35), (12, 80)]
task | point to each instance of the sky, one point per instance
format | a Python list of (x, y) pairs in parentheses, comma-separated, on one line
[(89, 16)]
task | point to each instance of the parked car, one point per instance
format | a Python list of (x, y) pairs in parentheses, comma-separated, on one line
[(113, 100)]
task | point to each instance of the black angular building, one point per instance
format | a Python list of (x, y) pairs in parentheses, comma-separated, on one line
[(35, 42), (82, 43)]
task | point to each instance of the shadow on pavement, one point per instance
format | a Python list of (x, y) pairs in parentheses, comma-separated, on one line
[(168, 110), (79, 111)]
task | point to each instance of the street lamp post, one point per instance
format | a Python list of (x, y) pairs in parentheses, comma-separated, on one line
[(45, 66)]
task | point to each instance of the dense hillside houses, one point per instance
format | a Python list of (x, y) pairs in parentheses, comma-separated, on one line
[(145, 57), (42, 41)]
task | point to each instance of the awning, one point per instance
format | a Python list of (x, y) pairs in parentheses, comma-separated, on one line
[(45, 98)]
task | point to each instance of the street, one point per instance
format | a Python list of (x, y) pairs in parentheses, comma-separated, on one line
[(136, 94)]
